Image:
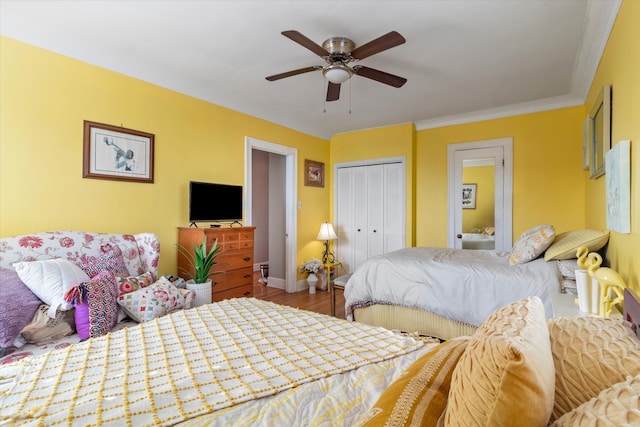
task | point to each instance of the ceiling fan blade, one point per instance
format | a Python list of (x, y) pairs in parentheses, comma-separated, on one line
[(379, 76), (292, 73), (382, 43), (304, 41), (333, 92)]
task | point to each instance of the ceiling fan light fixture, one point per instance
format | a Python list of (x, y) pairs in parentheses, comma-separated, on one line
[(337, 73)]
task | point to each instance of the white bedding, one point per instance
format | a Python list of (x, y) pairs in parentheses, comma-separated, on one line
[(461, 285)]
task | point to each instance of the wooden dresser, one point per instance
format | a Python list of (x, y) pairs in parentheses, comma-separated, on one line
[(234, 262)]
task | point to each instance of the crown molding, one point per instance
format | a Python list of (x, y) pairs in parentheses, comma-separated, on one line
[(598, 23), (501, 112)]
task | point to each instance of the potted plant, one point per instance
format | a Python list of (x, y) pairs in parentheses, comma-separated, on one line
[(311, 266), (201, 261)]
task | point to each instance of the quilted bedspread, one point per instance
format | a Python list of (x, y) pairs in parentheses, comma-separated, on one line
[(187, 364)]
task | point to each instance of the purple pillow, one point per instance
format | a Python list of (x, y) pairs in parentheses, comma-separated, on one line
[(96, 303), (83, 327), (17, 306), (111, 261)]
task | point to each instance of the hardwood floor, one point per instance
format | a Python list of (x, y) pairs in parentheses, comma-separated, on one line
[(319, 302)]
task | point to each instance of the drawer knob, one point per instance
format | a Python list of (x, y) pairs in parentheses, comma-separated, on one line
[(246, 276), (247, 293), (247, 258)]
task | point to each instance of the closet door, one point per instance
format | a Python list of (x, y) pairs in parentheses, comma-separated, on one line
[(370, 211), (344, 216), (375, 210), (394, 207), (360, 215)]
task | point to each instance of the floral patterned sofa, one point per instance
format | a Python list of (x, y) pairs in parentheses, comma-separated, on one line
[(140, 253)]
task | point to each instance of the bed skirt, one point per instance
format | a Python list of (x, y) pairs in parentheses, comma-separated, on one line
[(411, 320)]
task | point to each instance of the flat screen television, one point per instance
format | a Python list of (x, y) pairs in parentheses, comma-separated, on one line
[(210, 202)]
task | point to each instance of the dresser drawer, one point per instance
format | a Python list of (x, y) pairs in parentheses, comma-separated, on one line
[(242, 244), (243, 291), (234, 260), (232, 279)]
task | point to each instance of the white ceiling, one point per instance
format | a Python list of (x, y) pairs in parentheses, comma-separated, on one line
[(464, 59)]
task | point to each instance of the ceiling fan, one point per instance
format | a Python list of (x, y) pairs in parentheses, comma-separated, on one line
[(339, 52)]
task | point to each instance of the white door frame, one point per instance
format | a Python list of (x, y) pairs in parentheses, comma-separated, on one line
[(504, 221), (291, 191)]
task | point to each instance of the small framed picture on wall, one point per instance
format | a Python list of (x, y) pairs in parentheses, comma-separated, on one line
[(313, 173), (469, 196)]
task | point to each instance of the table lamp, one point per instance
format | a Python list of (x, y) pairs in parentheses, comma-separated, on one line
[(327, 233)]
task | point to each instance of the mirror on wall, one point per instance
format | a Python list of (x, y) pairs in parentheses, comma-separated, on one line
[(478, 218)]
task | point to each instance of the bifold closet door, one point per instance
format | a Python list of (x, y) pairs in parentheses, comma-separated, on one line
[(369, 212), (394, 206)]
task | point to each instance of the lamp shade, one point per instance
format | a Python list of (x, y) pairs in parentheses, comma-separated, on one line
[(326, 232)]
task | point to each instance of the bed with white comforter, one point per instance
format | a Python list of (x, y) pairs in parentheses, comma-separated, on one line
[(462, 285)]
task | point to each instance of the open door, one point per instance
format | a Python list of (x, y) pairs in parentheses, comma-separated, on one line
[(289, 193), (480, 195)]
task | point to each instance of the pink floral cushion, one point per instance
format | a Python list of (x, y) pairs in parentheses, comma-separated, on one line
[(153, 301), (133, 283), (17, 306), (96, 305), (111, 260)]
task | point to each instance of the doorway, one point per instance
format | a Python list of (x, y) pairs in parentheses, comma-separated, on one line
[(480, 212), (278, 207)]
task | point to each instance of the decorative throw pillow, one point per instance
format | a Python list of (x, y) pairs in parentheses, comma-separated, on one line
[(506, 372), (590, 354), (566, 244), (153, 301), (111, 261), (616, 406), (531, 244), (133, 283), (50, 279), (96, 305), (419, 396), (17, 306)]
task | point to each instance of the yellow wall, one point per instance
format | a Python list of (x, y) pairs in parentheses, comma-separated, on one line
[(46, 97), (547, 171), (392, 141), (484, 213), (620, 67)]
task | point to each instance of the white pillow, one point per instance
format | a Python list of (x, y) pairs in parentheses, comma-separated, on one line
[(531, 244), (50, 279)]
